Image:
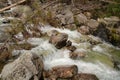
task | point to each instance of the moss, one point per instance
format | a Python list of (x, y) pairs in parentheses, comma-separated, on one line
[(115, 53), (95, 56)]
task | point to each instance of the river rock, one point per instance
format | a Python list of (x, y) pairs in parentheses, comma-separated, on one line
[(84, 30), (77, 55), (71, 48), (59, 40), (27, 67), (85, 76), (68, 43), (93, 24), (81, 18), (62, 72), (3, 37), (66, 17)]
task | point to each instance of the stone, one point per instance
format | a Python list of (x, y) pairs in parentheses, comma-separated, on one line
[(81, 18), (66, 17), (71, 26), (88, 15), (68, 43), (77, 55), (84, 30), (27, 67), (85, 76), (93, 24), (5, 53), (71, 48), (102, 32), (59, 40), (3, 37), (69, 19), (61, 72)]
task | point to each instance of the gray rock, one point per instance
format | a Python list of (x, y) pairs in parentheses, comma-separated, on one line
[(93, 24), (58, 39), (81, 18), (77, 55), (26, 67), (84, 30), (66, 17)]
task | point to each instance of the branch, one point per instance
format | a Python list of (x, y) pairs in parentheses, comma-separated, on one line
[(8, 7)]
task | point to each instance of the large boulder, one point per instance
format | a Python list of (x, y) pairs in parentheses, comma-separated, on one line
[(102, 32), (58, 39), (27, 67), (85, 76), (61, 72)]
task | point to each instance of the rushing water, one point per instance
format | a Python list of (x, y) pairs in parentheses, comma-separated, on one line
[(97, 61), (98, 56)]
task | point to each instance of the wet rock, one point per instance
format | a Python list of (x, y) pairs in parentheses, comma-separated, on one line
[(59, 40), (102, 32), (53, 33), (66, 17), (71, 26), (85, 76), (62, 72), (77, 55), (68, 43), (27, 67), (71, 48), (84, 30)]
